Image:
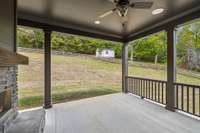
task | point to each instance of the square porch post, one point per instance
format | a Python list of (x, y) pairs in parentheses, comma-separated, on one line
[(47, 70), (171, 68), (124, 67)]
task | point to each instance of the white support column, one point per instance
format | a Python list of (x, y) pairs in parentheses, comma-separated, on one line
[(47, 70), (171, 68), (124, 67)]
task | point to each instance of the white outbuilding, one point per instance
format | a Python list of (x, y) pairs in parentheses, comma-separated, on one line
[(105, 53)]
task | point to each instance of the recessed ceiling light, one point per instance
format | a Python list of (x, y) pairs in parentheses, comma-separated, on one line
[(157, 11), (97, 22)]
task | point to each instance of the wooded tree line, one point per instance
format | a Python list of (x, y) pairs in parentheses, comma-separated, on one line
[(62, 42), (146, 49)]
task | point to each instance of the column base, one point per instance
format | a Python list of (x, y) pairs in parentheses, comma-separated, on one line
[(125, 92), (47, 106), (170, 108)]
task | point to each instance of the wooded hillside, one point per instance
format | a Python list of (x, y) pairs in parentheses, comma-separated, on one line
[(146, 49)]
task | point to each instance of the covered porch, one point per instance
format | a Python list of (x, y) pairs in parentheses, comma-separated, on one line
[(124, 112), (172, 94)]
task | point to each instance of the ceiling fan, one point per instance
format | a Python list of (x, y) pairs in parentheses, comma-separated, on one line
[(122, 7)]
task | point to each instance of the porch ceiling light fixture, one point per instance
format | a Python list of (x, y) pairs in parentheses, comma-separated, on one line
[(97, 22), (157, 11)]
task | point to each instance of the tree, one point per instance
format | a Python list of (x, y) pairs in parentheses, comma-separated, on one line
[(146, 49), (188, 38)]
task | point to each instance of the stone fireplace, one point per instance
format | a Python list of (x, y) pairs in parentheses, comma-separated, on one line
[(10, 120), (9, 59), (8, 96), (5, 101)]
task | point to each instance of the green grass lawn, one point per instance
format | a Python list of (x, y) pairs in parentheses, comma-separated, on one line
[(73, 78), (77, 77), (34, 97)]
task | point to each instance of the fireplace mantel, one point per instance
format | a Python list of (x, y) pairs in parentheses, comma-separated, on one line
[(8, 57)]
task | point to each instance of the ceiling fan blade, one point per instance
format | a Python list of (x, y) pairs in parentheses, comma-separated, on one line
[(114, 1), (141, 5), (107, 13), (124, 27), (124, 22), (124, 19)]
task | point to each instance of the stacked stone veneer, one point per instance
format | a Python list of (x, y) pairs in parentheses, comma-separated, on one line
[(8, 80)]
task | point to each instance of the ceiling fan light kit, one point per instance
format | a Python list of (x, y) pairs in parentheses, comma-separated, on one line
[(122, 7)]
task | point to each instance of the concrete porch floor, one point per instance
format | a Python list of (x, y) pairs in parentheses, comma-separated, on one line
[(116, 113)]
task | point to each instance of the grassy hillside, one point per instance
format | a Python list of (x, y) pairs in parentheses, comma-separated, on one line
[(76, 77), (72, 78)]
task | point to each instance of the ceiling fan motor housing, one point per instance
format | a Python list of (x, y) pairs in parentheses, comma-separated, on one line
[(122, 6), (123, 2)]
